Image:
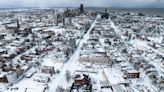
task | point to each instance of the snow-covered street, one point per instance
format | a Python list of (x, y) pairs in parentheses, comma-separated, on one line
[(71, 64)]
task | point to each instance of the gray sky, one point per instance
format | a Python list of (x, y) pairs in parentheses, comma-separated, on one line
[(75, 3)]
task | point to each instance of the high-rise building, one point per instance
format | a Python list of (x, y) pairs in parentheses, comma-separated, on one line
[(18, 25), (81, 8)]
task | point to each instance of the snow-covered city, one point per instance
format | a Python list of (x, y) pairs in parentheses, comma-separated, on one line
[(80, 50)]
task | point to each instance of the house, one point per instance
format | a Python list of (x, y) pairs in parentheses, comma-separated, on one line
[(82, 84), (43, 78), (3, 78), (10, 68), (109, 34), (12, 27), (48, 70), (8, 55), (50, 65), (26, 58), (131, 74), (8, 77), (95, 57)]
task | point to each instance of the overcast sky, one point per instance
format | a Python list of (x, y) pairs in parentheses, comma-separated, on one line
[(75, 3)]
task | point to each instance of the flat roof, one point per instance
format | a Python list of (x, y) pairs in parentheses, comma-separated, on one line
[(117, 88)]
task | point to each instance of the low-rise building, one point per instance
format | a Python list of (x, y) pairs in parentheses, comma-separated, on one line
[(131, 74)]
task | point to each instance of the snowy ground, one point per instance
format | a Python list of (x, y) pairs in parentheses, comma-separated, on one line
[(98, 73), (71, 64)]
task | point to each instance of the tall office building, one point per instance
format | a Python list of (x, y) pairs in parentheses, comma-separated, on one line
[(18, 25), (81, 8)]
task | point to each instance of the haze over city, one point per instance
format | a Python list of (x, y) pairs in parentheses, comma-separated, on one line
[(89, 3)]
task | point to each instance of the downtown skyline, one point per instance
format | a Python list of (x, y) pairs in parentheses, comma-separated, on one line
[(87, 3)]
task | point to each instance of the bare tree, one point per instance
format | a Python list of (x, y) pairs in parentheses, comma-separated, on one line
[(57, 71), (68, 75), (59, 89)]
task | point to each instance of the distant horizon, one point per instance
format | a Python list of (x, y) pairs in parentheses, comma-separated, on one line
[(86, 7), (87, 3)]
